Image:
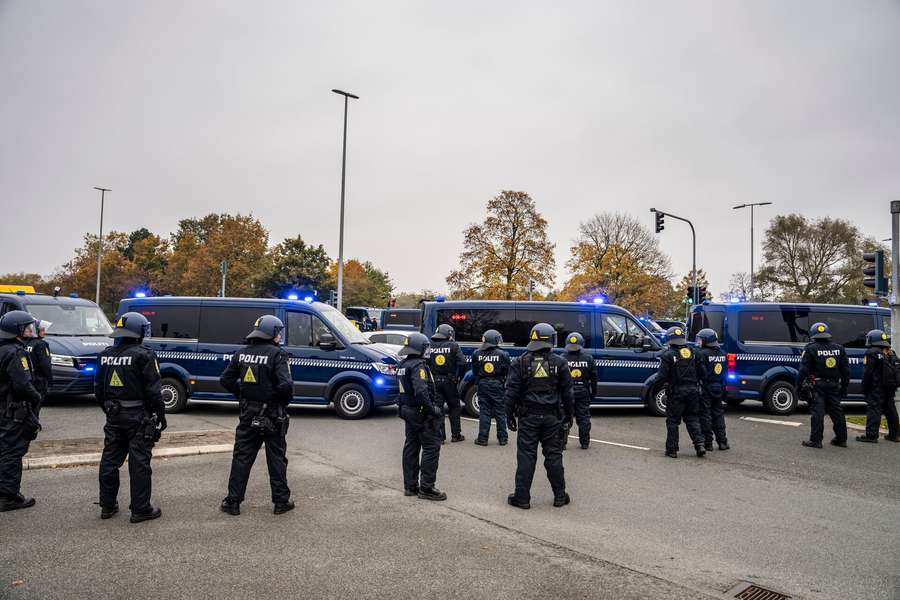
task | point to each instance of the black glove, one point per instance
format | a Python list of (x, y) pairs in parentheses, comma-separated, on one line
[(511, 423), (436, 412), (161, 417), (567, 423)]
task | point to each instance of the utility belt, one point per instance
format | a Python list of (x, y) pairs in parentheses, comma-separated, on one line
[(529, 408), (827, 381), (23, 415), (113, 407), (443, 377), (265, 424)]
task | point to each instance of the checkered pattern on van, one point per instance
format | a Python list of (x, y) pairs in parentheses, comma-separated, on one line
[(188, 355), (330, 364), (633, 364), (769, 357)]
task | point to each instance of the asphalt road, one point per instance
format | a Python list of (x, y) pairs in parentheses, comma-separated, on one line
[(812, 523)]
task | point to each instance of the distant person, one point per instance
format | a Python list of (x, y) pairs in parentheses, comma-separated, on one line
[(881, 378), (824, 364), (490, 365), (584, 385), (712, 389), (448, 365), (679, 371), (40, 358)]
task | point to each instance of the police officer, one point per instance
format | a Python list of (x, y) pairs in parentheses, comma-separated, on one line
[(825, 364), (127, 389), (448, 365), (679, 371), (19, 400), (490, 365), (584, 385), (423, 418), (40, 358), (259, 376), (712, 389), (539, 393), (879, 384)]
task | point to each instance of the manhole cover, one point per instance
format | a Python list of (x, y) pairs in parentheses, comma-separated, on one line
[(751, 591)]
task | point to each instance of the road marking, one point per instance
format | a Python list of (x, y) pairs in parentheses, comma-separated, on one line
[(773, 421), (575, 437)]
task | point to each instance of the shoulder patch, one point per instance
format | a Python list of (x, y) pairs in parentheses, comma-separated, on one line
[(423, 374), (25, 364)]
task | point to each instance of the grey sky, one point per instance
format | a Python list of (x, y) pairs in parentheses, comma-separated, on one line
[(186, 108)]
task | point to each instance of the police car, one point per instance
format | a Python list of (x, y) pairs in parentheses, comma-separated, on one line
[(762, 343), (331, 360), (78, 332)]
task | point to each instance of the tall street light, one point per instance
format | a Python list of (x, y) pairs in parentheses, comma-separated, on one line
[(751, 205), (100, 241), (340, 281)]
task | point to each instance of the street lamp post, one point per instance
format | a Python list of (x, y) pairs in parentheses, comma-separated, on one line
[(100, 241), (751, 205), (340, 280)]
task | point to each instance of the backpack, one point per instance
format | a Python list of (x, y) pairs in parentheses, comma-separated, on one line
[(890, 370)]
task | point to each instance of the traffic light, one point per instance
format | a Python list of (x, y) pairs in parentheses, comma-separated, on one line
[(660, 221), (702, 294), (874, 273), (332, 298), (689, 295), (393, 303)]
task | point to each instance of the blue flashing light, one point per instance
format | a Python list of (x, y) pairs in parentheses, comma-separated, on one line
[(89, 369), (20, 292), (582, 301), (873, 304), (379, 381), (73, 295), (292, 297), (440, 298), (308, 299), (140, 294), (599, 300), (732, 376), (735, 300)]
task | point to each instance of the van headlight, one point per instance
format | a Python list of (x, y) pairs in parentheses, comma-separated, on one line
[(385, 369), (61, 360)]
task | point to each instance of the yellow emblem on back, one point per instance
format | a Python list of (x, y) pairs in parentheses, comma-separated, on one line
[(249, 377), (540, 371), (488, 367), (440, 359), (115, 380), (831, 362), (685, 353), (718, 369), (576, 373)]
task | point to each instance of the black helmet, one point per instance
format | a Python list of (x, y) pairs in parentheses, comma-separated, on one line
[(416, 345), (15, 324), (675, 336), (820, 331), (574, 342), (542, 336), (443, 332), (877, 337), (267, 327), (491, 339), (131, 325), (707, 338)]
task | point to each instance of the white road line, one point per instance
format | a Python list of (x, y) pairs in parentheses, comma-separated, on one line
[(575, 437), (773, 421)]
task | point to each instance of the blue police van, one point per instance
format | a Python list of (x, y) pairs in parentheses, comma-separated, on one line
[(331, 361), (405, 319), (78, 332), (763, 343), (627, 353)]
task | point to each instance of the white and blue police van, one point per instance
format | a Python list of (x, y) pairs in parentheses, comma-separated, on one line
[(331, 361)]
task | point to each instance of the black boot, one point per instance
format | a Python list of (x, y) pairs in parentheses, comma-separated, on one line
[(505, 441), (107, 512), (146, 515), (513, 501), (585, 445), (672, 453), (867, 439), (481, 442), (561, 500), (892, 438), (839, 443), (283, 507), (724, 446), (411, 491), (230, 507), (15, 503), (810, 444), (432, 493), (708, 445), (458, 438), (701, 451)]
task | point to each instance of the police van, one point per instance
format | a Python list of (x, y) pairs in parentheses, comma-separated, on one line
[(626, 352), (330, 359), (407, 319), (763, 342), (78, 332)]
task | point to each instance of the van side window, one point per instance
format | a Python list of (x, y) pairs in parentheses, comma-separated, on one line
[(706, 319), (785, 326), (228, 324), (847, 328), (304, 329), (621, 332), (172, 322), (563, 321), (469, 324)]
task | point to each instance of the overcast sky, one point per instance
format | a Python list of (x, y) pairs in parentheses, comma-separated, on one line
[(187, 108)]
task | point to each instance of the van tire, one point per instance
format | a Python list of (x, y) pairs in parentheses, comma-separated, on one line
[(174, 395), (656, 401), (352, 401), (780, 398), (470, 399)]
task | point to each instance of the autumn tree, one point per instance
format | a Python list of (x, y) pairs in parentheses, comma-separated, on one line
[(364, 284), (413, 299), (295, 264), (505, 251)]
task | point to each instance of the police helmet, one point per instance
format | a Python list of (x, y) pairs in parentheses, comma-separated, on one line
[(267, 327), (491, 339), (574, 342), (820, 331), (877, 337), (16, 323), (131, 325), (443, 332), (416, 345), (675, 336), (707, 338), (542, 336)]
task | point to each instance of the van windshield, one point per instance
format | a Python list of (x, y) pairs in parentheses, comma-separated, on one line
[(72, 320), (342, 325)]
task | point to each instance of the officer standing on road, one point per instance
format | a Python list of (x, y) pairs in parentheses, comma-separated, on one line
[(712, 389), (259, 376), (40, 358), (19, 400), (127, 389), (490, 365), (679, 372), (879, 384), (825, 364), (423, 417), (584, 385), (448, 365), (539, 393)]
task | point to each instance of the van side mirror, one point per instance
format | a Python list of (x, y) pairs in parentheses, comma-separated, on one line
[(646, 345), (327, 342)]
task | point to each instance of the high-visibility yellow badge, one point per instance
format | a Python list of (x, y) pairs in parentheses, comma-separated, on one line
[(424, 374), (678, 332), (540, 371), (115, 380), (718, 369), (576, 373), (821, 328), (121, 322), (249, 377), (884, 336), (685, 353), (25, 363), (573, 340), (831, 362), (534, 335), (489, 367), (440, 360)]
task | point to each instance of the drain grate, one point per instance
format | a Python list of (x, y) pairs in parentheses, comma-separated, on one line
[(754, 592)]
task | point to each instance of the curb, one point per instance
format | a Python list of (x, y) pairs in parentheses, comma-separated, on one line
[(93, 458), (856, 427)]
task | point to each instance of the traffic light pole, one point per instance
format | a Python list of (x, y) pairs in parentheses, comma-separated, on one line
[(895, 275)]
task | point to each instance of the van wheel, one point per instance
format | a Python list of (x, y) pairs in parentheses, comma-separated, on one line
[(471, 402), (656, 401), (352, 401), (780, 398), (174, 396)]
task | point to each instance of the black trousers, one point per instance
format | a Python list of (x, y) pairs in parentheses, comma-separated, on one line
[(712, 415), (881, 401), (683, 404), (421, 449), (826, 398), (13, 447), (123, 438), (247, 442), (447, 392), (583, 415), (537, 428)]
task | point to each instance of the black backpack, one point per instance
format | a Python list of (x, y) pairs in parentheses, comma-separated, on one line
[(890, 370)]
